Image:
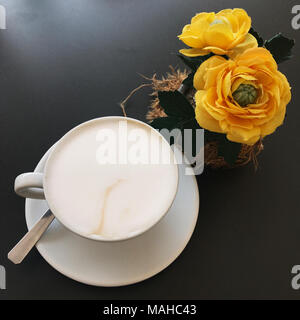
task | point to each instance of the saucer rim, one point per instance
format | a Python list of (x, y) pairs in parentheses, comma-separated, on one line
[(154, 272)]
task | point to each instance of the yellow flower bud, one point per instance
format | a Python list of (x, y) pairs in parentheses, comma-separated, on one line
[(223, 33)]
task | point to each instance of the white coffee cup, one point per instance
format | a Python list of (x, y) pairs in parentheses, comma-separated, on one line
[(106, 200)]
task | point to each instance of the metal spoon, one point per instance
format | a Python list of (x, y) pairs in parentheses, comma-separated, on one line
[(23, 247)]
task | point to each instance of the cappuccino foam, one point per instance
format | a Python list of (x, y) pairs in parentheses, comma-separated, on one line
[(107, 188)]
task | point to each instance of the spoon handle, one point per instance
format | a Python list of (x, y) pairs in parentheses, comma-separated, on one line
[(22, 248)]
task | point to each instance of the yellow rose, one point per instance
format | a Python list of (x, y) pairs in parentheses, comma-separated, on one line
[(244, 98), (223, 33)]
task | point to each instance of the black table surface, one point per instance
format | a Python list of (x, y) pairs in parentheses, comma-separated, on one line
[(65, 62)]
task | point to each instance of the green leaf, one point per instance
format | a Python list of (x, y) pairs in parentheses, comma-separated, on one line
[(189, 80), (214, 136), (193, 125), (194, 62), (229, 151), (175, 104), (259, 39), (280, 47), (190, 124), (169, 123)]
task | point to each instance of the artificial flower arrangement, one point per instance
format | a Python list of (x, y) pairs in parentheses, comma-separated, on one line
[(237, 94)]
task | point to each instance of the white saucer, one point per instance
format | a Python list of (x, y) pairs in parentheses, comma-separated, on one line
[(125, 262)]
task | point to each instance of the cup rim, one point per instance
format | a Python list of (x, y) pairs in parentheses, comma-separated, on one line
[(99, 237)]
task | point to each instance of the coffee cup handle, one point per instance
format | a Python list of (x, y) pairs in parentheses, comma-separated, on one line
[(30, 185)]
